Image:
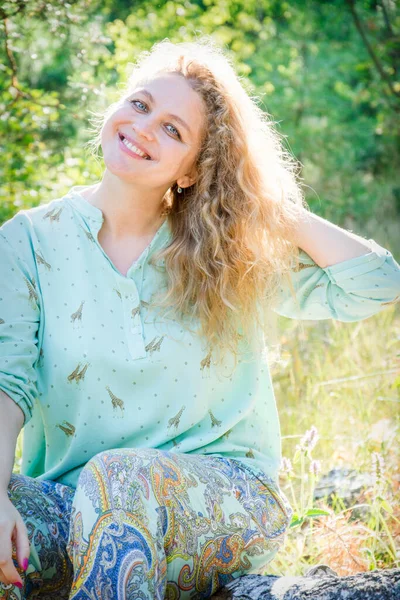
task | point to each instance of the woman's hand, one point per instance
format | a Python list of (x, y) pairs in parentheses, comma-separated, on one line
[(12, 529)]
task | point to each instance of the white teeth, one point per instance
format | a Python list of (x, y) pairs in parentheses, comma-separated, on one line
[(134, 149)]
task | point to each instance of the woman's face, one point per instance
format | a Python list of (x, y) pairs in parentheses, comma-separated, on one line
[(166, 123)]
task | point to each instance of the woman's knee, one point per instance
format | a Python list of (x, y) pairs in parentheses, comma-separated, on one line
[(121, 453), (117, 463)]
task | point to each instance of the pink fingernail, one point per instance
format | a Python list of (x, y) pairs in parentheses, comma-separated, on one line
[(18, 584), (25, 564)]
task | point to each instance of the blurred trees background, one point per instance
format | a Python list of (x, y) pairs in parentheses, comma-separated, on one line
[(328, 73)]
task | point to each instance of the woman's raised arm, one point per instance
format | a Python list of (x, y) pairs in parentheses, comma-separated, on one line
[(350, 290)]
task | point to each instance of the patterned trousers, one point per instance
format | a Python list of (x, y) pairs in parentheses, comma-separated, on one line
[(147, 524)]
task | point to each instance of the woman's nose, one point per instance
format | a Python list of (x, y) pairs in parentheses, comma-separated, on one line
[(144, 130)]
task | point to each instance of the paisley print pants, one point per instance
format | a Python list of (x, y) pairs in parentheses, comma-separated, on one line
[(147, 524)]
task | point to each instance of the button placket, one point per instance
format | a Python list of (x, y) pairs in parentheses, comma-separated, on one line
[(133, 322)]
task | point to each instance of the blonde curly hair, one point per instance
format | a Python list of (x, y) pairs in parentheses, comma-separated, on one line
[(230, 229)]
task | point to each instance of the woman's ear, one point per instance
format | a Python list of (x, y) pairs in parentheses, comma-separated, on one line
[(187, 180)]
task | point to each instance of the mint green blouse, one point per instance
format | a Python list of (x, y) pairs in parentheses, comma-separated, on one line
[(93, 366)]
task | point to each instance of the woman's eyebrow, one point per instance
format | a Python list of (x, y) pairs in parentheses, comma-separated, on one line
[(181, 121)]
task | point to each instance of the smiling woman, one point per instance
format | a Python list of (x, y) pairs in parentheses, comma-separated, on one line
[(129, 315), (185, 108), (144, 125)]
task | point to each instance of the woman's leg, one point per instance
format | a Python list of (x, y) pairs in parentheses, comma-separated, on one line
[(45, 508), (149, 524)]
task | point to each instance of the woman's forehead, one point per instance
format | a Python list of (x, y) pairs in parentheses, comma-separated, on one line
[(162, 79)]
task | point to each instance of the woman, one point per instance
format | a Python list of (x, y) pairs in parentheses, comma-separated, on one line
[(135, 320)]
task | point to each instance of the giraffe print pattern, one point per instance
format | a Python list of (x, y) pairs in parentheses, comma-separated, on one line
[(33, 296), (78, 374), (116, 402), (41, 261), (175, 420), (67, 428), (99, 366), (77, 315)]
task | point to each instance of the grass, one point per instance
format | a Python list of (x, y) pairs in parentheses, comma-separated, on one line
[(343, 379)]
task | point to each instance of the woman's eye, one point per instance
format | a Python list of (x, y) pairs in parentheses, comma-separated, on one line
[(175, 132), (139, 101)]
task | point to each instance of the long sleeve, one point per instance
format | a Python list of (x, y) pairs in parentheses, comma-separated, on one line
[(19, 324), (351, 290)]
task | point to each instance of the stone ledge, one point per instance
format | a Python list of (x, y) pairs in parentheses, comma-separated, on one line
[(318, 584)]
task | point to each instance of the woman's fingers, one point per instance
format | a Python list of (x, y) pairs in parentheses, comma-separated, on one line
[(7, 568), (2, 578), (22, 544)]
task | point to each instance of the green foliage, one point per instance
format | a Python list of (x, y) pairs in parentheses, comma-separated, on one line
[(332, 89)]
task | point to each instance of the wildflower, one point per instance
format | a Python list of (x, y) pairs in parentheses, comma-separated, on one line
[(315, 466), (286, 466), (308, 441), (378, 468)]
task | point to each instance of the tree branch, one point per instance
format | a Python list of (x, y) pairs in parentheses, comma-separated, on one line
[(369, 48), (386, 18), (14, 69)]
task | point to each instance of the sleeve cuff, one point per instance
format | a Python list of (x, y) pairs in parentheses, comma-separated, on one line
[(20, 401), (359, 265)]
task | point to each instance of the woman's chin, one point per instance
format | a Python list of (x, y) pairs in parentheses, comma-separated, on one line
[(123, 169)]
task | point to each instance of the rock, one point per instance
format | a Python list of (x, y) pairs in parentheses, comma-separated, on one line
[(343, 482), (320, 583), (320, 571)]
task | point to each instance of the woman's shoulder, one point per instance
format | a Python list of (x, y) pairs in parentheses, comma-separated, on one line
[(30, 220), (29, 229)]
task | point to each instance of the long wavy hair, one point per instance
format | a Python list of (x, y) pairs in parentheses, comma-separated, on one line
[(229, 251)]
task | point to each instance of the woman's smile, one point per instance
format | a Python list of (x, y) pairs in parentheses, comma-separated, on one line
[(130, 149)]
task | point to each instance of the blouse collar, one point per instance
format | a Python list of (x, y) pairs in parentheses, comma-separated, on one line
[(94, 218)]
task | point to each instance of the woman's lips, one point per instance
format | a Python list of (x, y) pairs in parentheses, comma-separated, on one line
[(130, 152)]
